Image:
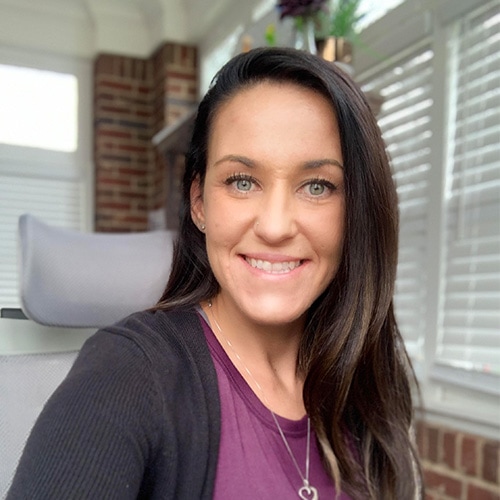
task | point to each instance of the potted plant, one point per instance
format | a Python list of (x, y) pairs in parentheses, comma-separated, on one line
[(336, 30), (305, 15)]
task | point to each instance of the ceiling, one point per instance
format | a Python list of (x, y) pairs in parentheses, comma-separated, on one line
[(134, 27)]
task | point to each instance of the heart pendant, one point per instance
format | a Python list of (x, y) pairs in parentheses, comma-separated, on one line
[(308, 493)]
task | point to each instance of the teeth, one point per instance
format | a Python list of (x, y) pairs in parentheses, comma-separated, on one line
[(273, 267)]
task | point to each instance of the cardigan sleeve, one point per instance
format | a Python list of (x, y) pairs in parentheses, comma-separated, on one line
[(98, 431)]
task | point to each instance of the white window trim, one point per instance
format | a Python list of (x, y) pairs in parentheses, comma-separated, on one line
[(452, 396), (24, 161)]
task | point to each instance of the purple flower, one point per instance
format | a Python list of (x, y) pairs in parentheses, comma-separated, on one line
[(296, 8)]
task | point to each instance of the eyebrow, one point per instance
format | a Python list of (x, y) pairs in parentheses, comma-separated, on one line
[(308, 165)]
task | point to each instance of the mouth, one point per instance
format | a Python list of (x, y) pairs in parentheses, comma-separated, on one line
[(274, 267)]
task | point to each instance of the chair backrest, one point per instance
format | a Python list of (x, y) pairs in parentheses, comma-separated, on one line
[(74, 279), (26, 382), (70, 284)]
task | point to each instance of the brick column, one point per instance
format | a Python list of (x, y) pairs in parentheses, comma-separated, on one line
[(123, 124), (133, 99), (176, 94), (458, 465)]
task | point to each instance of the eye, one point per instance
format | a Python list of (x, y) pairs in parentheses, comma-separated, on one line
[(319, 187), (316, 189), (241, 182)]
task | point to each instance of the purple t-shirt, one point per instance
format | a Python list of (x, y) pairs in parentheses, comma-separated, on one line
[(253, 460)]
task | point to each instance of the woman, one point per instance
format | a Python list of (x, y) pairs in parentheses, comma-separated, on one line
[(272, 366)]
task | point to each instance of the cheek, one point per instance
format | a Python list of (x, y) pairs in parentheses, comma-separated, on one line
[(222, 236), (331, 229)]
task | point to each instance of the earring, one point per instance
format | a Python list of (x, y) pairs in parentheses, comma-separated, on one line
[(202, 227)]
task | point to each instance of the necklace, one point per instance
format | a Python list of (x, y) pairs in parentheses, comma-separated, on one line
[(306, 491)]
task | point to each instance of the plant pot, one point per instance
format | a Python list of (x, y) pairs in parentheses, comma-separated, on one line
[(335, 49), (304, 36)]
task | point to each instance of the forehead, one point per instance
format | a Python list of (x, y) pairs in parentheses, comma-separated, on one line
[(273, 104), (275, 124), (271, 88)]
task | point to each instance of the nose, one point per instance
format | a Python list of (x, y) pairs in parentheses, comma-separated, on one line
[(275, 221)]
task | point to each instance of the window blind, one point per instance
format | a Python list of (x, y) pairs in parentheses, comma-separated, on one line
[(55, 201), (404, 119), (469, 335)]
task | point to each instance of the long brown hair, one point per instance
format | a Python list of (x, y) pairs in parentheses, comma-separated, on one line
[(357, 385)]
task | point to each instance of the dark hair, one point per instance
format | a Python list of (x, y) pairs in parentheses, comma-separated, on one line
[(357, 373)]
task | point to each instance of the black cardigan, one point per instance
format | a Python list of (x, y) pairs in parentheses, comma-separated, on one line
[(138, 416)]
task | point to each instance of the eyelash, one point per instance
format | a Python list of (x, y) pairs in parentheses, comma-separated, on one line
[(245, 177), (321, 182), (238, 177)]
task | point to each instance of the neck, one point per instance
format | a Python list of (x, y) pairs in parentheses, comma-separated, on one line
[(265, 355)]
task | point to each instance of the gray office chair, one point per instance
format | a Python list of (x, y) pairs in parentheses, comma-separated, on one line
[(70, 284)]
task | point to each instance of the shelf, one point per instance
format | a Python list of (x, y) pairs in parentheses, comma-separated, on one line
[(176, 137)]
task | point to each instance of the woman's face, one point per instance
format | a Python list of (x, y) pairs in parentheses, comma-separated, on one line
[(273, 202)]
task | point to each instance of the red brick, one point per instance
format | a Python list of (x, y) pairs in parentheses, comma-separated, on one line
[(114, 205), (115, 133), (469, 456), (174, 87), (433, 444), (113, 181), (449, 449), (135, 149), (490, 472), (477, 493), (116, 85), (443, 484), (420, 437), (133, 89), (105, 64), (140, 196), (181, 76), (138, 219), (114, 109), (131, 171)]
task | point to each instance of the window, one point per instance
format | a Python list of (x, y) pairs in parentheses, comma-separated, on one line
[(45, 150), (39, 108), (405, 121), (470, 330), (438, 69)]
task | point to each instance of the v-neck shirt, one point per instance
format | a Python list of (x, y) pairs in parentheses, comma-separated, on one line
[(253, 460)]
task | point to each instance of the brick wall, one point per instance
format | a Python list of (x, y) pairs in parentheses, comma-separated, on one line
[(458, 465), (176, 84), (133, 99)]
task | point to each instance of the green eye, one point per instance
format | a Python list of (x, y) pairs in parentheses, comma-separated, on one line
[(316, 189), (243, 185)]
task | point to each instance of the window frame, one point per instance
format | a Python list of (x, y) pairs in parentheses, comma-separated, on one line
[(37, 165), (36, 162), (452, 396)]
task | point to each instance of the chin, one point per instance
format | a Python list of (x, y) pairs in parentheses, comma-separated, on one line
[(275, 313)]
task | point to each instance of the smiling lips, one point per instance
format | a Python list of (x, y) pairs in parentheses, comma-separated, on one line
[(273, 267)]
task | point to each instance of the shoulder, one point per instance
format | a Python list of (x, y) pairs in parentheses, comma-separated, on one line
[(149, 336), (139, 406), (154, 352)]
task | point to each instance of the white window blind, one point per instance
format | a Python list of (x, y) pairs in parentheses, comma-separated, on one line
[(56, 202), (405, 85), (43, 170), (469, 335)]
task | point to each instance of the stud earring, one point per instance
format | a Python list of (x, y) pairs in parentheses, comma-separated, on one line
[(202, 227)]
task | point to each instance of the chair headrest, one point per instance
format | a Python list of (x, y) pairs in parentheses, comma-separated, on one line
[(74, 279)]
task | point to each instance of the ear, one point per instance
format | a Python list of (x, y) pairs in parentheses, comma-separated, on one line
[(196, 199)]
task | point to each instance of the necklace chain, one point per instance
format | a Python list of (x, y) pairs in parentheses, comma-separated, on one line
[(307, 491)]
